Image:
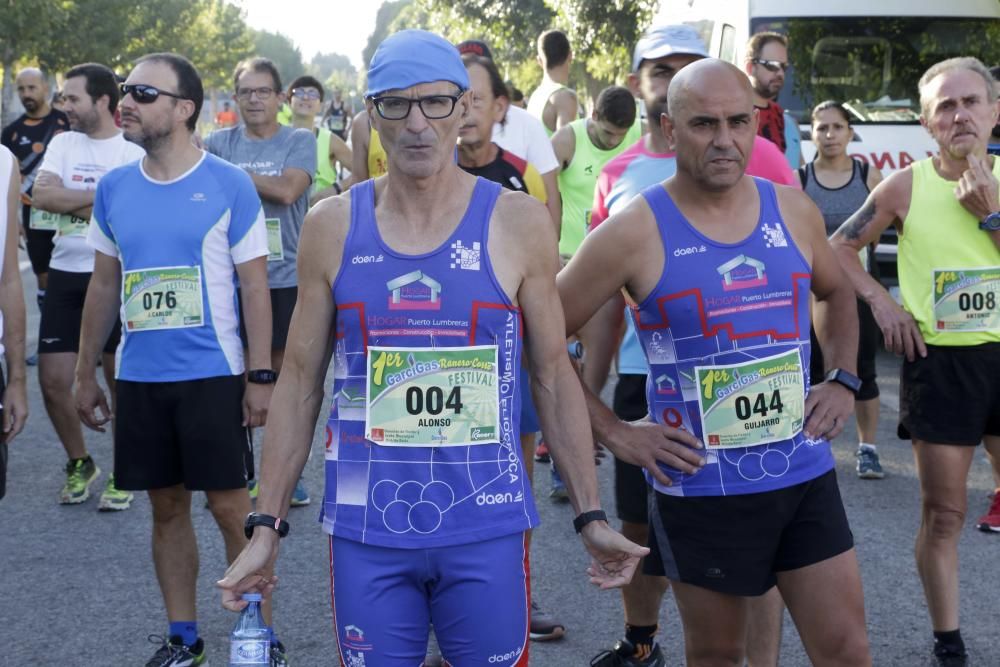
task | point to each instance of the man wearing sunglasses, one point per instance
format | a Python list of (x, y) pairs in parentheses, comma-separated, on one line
[(72, 167), (281, 161), (766, 62), (421, 284), (172, 232)]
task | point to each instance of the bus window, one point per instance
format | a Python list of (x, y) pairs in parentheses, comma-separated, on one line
[(727, 47)]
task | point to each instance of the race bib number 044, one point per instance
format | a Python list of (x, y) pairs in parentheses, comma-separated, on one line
[(967, 299), (433, 397), (752, 403), (165, 298)]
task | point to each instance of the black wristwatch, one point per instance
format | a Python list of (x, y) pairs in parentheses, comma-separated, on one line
[(840, 376), (587, 517), (262, 376), (254, 519), (990, 223)]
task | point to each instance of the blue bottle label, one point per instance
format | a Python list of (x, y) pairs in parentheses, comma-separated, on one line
[(249, 652)]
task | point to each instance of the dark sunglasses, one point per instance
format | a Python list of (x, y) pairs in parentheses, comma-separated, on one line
[(143, 94), (771, 65)]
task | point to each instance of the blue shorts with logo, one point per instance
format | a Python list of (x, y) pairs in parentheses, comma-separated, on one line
[(476, 596)]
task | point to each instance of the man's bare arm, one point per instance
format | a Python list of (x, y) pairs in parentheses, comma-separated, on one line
[(100, 309), (566, 106), (554, 200), (50, 194), (360, 136), (15, 398), (284, 189)]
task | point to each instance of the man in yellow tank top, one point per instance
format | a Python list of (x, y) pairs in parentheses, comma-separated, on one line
[(947, 212)]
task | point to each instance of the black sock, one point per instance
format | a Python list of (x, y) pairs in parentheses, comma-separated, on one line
[(642, 637), (40, 298), (949, 641)]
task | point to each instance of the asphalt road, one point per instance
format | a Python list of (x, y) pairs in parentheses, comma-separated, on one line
[(77, 586)]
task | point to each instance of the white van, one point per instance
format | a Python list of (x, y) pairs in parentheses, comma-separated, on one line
[(866, 54)]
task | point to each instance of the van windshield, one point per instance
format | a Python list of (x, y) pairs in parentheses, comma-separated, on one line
[(872, 64)]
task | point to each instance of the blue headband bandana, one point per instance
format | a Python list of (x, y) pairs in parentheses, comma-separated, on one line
[(411, 57)]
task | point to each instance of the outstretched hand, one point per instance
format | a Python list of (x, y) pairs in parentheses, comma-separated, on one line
[(613, 557)]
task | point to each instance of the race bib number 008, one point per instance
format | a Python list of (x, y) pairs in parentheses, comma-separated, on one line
[(967, 299), (433, 397), (165, 298), (752, 403)]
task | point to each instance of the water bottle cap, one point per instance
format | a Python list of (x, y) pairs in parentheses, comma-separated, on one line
[(251, 597)]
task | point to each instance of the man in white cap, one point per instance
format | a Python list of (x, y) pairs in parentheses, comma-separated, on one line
[(421, 285)]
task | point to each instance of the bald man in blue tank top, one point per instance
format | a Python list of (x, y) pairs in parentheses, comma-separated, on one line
[(420, 286), (736, 445)]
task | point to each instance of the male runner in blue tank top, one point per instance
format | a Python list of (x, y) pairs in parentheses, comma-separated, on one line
[(721, 265), (421, 286)]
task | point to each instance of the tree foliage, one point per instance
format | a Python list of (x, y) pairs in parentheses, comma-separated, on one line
[(280, 50)]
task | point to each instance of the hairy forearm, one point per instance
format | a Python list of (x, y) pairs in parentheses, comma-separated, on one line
[(865, 286), (562, 411), (58, 199), (257, 311), (12, 306), (835, 319), (288, 437), (554, 201), (278, 189)]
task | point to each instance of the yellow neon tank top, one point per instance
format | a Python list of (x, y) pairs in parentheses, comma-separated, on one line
[(949, 269)]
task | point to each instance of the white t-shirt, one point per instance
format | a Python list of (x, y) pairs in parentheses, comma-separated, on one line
[(6, 166), (525, 136), (81, 162)]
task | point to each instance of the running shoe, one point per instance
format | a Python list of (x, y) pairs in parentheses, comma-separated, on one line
[(868, 464), (278, 656), (947, 656), (252, 488), (558, 491), (542, 452), (173, 653), (624, 655), (114, 499), (542, 626), (31, 360), (80, 474), (300, 497), (990, 522)]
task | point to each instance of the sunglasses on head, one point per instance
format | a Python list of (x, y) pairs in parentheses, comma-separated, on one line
[(143, 94), (771, 65)]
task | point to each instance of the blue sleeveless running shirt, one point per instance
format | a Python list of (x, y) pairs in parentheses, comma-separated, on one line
[(441, 492), (726, 335)]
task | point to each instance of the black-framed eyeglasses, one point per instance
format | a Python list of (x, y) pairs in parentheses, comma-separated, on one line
[(263, 93), (305, 93), (771, 65), (434, 107), (144, 94)]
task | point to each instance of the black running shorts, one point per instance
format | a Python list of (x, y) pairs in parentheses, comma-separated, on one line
[(282, 305), (629, 404), (736, 544), (952, 396), (62, 314), (188, 432), (869, 340)]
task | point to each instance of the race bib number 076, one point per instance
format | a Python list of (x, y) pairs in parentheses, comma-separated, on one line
[(433, 397), (165, 298), (752, 403)]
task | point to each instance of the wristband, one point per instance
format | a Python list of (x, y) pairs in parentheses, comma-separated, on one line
[(588, 517)]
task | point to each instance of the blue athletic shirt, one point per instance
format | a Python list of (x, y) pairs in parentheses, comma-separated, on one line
[(209, 219), (423, 496), (718, 304)]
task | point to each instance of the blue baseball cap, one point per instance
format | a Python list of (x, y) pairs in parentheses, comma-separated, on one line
[(411, 57), (668, 40)]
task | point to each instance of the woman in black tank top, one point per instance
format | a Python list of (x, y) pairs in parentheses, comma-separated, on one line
[(839, 184)]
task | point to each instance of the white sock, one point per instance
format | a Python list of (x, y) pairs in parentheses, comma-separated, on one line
[(866, 445)]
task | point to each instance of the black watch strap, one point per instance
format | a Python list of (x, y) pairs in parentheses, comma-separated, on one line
[(278, 525), (262, 376), (850, 381), (588, 517)]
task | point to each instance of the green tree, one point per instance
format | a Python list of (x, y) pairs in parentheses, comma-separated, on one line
[(21, 35), (281, 51), (384, 20)]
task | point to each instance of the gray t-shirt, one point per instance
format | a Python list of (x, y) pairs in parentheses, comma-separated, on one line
[(288, 149)]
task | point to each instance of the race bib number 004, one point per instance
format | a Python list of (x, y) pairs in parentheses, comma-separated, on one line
[(433, 397), (275, 247), (967, 299), (166, 298), (752, 403)]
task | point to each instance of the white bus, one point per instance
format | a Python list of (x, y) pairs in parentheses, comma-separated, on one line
[(867, 54)]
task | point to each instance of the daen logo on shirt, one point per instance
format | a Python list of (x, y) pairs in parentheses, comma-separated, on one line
[(690, 250), (366, 259)]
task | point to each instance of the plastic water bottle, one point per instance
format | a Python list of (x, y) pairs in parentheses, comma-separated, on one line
[(250, 643)]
